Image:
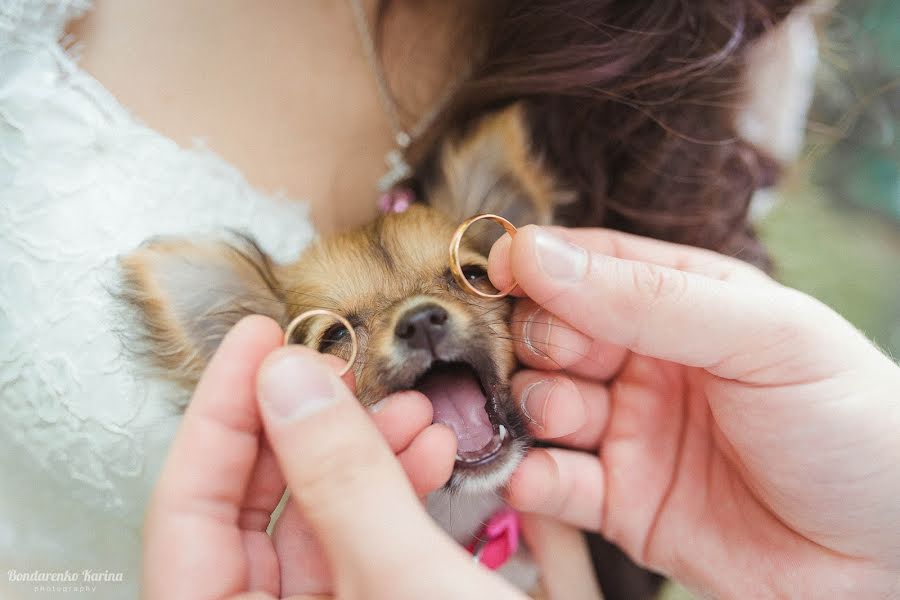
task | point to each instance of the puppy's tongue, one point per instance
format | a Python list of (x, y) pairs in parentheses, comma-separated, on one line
[(459, 404)]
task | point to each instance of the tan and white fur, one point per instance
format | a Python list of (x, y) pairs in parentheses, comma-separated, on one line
[(417, 328)]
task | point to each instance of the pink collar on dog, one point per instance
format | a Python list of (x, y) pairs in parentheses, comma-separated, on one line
[(498, 540)]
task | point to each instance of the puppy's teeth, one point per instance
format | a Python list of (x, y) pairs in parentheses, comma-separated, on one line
[(460, 458), (503, 433)]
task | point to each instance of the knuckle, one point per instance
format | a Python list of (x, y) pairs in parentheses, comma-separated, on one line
[(656, 283), (651, 287)]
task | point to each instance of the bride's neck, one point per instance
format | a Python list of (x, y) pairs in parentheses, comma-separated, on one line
[(283, 91)]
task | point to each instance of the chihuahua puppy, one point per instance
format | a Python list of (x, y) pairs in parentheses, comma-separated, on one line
[(417, 328)]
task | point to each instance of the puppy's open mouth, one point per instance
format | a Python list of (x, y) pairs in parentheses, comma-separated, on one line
[(462, 403)]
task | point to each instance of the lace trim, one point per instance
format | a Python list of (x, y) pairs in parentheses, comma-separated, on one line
[(82, 429)]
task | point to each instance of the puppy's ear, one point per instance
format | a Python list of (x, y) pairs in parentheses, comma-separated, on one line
[(494, 169), (187, 296)]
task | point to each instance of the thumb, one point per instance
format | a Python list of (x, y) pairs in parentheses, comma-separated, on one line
[(341, 473), (707, 313)]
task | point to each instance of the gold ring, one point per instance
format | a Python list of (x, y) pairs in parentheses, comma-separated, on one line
[(456, 267), (354, 344)]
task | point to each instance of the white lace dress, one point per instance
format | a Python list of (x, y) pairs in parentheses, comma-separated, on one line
[(82, 433)]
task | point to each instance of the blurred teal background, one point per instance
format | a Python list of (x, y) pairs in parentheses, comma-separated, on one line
[(835, 231)]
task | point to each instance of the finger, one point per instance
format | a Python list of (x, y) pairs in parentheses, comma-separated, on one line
[(665, 254), (552, 405), (401, 417), (665, 313), (197, 500), (267, 484), (304, 569), (546, 342), (222, 415), (429, 459), (564, 484), (427, 456), (264, 491), (630, 247), (266, 571), (563, 559), (341, 473), (566, 410)]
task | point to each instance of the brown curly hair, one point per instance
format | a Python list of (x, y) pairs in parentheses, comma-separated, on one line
[(633, 103)]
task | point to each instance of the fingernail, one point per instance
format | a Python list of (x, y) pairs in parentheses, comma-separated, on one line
[(537, 331), (293, 387), (559, 259), (535, 399)]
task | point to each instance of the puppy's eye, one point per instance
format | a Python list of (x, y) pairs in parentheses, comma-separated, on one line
[(475, 274), (336, 334)]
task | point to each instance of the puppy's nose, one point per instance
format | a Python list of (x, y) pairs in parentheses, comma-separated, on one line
[(422, 327)]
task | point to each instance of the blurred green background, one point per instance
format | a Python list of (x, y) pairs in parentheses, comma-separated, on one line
[(835, 230)]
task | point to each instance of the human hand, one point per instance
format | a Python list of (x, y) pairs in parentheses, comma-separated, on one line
[(722, 429), (354, 526)]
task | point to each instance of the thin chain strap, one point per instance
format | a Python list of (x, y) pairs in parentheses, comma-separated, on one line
[(402, 137)]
